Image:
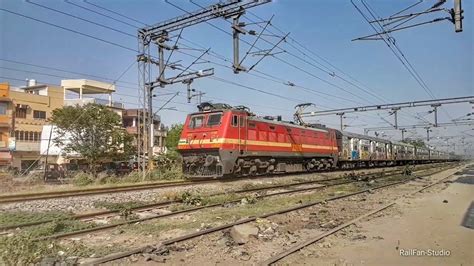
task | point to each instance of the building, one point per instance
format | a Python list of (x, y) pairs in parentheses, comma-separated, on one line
[(131, 121), (78, 92), (5, 124), (31, 106), (76, 89), (24, 114)]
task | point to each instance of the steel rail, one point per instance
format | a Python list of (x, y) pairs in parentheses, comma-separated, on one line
[(11, 198), (170, 202), (308, 242), (105, 227), (93, 191), (247, 220)]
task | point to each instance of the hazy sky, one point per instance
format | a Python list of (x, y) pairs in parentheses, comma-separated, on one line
[(443, 58)]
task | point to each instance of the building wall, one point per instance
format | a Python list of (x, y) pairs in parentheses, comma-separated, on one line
[(131, 121), (30, 111), (5, 124)]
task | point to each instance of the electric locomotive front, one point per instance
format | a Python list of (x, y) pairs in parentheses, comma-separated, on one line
[(209, 139)]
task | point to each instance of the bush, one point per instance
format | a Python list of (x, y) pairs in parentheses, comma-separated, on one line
[(83, 179), (23, 250)]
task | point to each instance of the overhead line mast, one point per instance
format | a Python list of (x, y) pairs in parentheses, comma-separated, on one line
[(157, 35)]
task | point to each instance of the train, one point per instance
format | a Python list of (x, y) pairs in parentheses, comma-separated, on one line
[(221, 140)]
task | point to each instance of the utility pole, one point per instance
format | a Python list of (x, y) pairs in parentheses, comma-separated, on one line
[(157, 34), (435, 111), (403, 133), (395, 114), (428, 130), (341, 117), (190, 92), (237, 29), (456, 15)]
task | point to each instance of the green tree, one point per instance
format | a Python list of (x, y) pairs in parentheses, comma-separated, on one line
[(172, 139), (94, 132)]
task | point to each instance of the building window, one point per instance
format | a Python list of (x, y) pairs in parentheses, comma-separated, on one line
[(39, 114), (20, 112), (3, 108), (21, 135)]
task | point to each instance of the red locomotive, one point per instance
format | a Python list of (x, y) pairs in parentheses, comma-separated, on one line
[(222, 140)]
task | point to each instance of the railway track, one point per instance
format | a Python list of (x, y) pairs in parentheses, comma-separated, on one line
[(13, 198), (120, 255), (193, 209), (240, 191)]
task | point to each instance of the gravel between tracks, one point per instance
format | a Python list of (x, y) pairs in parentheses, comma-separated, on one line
[(281, 231), (84, 204)]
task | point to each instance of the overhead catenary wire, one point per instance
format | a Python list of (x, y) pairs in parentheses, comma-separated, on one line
[(93, 11), (390, 39), (367, 90), (81, 18), (274, 56), (114, 12), (121, 46)]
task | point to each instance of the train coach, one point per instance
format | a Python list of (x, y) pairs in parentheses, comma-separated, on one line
[(221, 140)]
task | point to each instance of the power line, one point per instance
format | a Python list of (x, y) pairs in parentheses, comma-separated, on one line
[(116, 93), (70, 30), (368, 91), (80, 18), (278, 58), (93, 11), (113, 12)]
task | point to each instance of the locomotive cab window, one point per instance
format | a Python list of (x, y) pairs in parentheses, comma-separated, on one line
[(235, 120), (196, 121), (214, 119)]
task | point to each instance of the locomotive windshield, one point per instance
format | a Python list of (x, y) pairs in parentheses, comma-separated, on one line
[(214, 119), (196, 121)]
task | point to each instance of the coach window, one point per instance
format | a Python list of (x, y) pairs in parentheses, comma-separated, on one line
[(196, 121), (214, 119)]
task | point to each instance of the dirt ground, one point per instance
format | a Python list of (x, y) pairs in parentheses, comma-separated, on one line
[(430, 220), (421, 222)]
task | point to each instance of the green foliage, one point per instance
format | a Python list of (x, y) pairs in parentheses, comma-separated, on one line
[(93, 131), (173, 173), (408, 170), (83, 179), (125, 209), (21, 217), (23, 250), (172, 138), (189, 198)]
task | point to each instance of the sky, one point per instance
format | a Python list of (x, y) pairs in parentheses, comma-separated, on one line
[(363, 72)]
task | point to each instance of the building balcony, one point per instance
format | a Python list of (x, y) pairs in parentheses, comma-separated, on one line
[(157, 132), (84, 101), (27, 146)]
